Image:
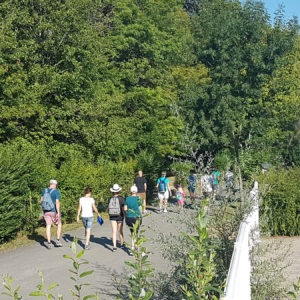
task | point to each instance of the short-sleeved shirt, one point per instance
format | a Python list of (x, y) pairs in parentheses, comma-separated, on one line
[(133, 205), (165, 180), (54, 195), (192, 181), (140, 184), (87, 207), (215, 175), (121, 216)]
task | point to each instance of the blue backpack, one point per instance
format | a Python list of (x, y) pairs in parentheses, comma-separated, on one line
[(162, 185), (47, 203)]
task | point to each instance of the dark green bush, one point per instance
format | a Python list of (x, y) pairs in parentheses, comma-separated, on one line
[(22, 171), (280, 207)]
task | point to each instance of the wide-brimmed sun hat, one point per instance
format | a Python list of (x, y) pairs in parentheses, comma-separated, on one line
[(116, 188)]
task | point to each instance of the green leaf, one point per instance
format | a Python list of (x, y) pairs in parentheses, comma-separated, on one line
[(89, 297), (74, 248), (68, 256), (86, 273), (80, 254), (52, 286), (37, 293)]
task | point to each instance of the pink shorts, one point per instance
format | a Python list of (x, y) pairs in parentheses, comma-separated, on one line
[(180, 201), (51, 217)]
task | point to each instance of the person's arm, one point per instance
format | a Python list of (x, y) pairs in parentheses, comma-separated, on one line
[(125, 208), (57, 204), (169, 189), (145, 186), (157, 184), (96, 210), (78, 211)]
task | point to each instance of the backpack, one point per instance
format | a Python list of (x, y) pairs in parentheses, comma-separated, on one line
[(114, 208), (47, 203), (162, 185)]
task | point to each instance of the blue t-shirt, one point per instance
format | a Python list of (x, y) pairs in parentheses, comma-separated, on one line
[(215, 175), (192, 181), (132, 203), (54, 195), (163, 181)]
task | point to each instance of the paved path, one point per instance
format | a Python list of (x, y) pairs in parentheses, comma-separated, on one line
[(23, 263), (292, 247)]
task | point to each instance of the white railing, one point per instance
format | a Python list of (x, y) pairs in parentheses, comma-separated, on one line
[(238, 286)]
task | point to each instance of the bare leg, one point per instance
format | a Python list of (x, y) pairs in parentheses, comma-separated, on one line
[(114, 233), (165, 203), (48, 233), (58, 232), (87, 236), (120, 229), (160, 204), (144, 204)]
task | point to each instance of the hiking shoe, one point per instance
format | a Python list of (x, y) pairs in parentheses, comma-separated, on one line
[(165, 211), (123, 246), (87, 247), (114, 249), (48, 246), (58, 243)]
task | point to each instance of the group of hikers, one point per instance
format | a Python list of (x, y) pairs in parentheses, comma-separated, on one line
[(209, 183), (131, 209)]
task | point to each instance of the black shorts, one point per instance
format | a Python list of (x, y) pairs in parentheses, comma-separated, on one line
[(119, 219), (130, 223)]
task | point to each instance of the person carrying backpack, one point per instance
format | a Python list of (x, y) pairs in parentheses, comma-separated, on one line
[(133, 210), (50, 202), (164, 191), (116, 215)]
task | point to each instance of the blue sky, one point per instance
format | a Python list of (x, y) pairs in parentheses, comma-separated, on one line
[(292, 7)]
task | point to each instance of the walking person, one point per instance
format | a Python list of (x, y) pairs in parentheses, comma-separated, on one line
[(50, 202), (180, 197), (133, 208), (215, 176), (87, 205), (192, 185), (229, 178), (116, 215), (141, 185), (164, 191), (206, 185)]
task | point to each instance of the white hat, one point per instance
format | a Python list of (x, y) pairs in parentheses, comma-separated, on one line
[(133, 189), (53, 181), (116, 188)]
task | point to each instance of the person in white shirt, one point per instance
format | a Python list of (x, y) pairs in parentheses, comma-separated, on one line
[(206, 185), (87, 205)]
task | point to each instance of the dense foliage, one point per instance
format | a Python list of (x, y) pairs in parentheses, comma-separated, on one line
[(281, 202), (92, 90)]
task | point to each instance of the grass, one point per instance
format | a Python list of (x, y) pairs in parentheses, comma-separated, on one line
[(24, 239)]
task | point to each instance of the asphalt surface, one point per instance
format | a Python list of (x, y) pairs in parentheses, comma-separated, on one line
[(24, 263)]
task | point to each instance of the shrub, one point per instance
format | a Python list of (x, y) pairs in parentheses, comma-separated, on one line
[(23, 168), (181, 170), (280, 207)]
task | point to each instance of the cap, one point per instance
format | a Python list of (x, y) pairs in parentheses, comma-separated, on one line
[(133, 189), (53, 181)]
